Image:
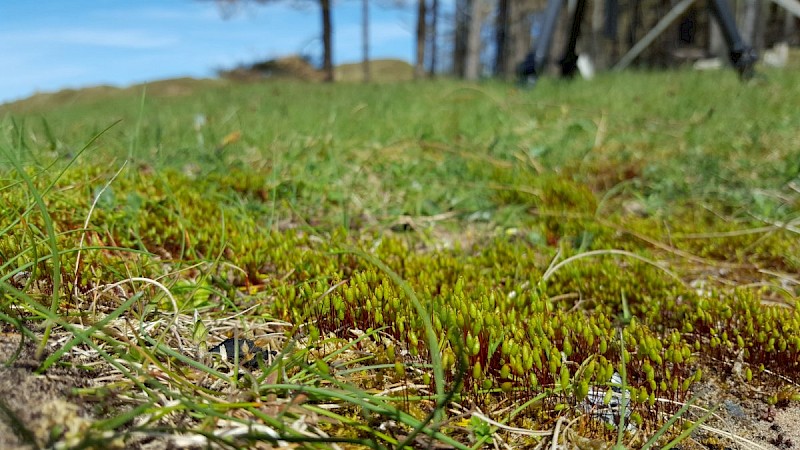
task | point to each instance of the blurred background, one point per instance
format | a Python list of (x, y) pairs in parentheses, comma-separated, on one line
[(50, 45)]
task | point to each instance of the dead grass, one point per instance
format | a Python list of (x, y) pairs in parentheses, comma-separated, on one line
[(381, 71)]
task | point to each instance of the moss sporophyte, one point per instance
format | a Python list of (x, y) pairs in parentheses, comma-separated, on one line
[(542, 258)]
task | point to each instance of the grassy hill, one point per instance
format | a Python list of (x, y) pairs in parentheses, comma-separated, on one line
[(294, 69), (404, 263)]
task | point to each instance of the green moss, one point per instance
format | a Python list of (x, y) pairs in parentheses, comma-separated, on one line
[(486, 206)]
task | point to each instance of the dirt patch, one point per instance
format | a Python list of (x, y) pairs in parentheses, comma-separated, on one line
[(743, 419), (781, 430), (37, 408)]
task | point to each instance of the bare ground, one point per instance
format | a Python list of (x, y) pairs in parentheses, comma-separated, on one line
[(35, 409)]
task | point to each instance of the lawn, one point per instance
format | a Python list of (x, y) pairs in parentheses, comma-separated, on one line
[(433, 263)]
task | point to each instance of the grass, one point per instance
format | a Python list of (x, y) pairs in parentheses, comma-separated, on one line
[(423, 256)]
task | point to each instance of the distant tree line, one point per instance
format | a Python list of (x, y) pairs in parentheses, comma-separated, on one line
[(477, 38)]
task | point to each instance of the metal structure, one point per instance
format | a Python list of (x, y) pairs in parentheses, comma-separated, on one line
[(741, 55)]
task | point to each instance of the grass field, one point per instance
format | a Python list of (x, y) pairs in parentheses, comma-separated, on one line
[(431, 264)]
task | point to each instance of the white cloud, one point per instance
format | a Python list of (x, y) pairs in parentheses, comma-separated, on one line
[(119, 42), (125, 39), (201, 12)]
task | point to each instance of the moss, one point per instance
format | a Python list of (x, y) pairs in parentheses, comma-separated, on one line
[(257, 226)]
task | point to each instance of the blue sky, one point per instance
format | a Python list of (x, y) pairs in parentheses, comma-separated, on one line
[(47, 45)]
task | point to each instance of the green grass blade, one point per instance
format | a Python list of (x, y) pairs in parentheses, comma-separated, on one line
[(53, 244), (99, 325), (653, 439), (430, 334), (623, 404), (690, 429)]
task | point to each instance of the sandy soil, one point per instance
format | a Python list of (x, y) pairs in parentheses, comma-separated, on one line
[(41, 404)]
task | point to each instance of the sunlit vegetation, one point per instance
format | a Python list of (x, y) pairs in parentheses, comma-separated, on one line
[(535, 242)]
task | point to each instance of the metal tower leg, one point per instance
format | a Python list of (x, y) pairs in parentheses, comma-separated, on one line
[(569, 63), (742, 56), (533, 65)]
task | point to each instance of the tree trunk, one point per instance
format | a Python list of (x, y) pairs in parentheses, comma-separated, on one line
[(419, 67), (789, 28), (611, 30), (762, 26), (433, 37), (599, 49), (472, 66), (365, 38), (501, 37), (518, 39), (560, 38), (461, 31), (327, 40)]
